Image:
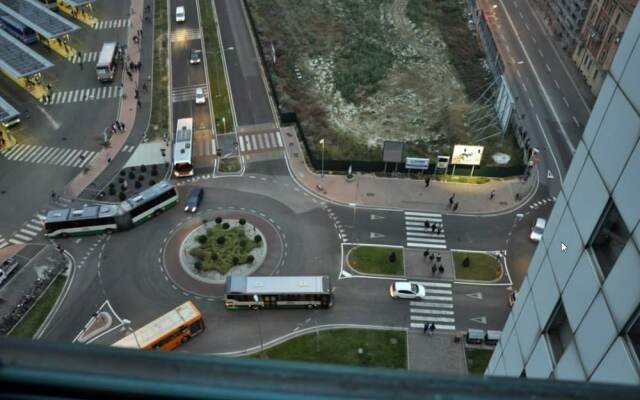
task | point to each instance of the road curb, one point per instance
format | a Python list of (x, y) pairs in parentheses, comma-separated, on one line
[(70, 263)]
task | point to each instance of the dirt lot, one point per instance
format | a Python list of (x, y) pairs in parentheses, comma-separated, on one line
[(359, 72)]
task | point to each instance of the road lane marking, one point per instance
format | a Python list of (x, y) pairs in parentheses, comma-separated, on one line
[(557, 84), (548, 67), (565, 101), (530, 102), (575, 121), (553, 156)]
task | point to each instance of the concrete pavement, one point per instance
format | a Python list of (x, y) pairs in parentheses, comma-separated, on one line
[(373, 191)]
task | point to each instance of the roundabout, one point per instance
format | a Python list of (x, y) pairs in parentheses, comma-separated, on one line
[(181, 267)]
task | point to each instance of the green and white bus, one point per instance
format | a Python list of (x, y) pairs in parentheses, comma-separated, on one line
[(150, 202), (91, 220), (107, 218), (256, 292)]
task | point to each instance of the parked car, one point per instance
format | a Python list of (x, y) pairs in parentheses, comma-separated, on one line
[(193, 200), (538, 230), (195, 57), (180, 14), (200, 97), (6, 268), (406, 290)]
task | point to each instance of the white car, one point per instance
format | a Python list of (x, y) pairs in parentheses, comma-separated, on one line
[(180, 14), (538, 230), (200, 97), (406, 290)]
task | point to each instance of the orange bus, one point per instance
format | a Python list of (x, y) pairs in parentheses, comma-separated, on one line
[(168, 331)]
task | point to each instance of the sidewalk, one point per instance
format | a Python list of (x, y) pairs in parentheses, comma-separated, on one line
[(126, 112), (437, 353), (401, 193)]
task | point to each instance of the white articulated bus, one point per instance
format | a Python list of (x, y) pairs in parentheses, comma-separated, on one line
[(256, 292), (182, 164)]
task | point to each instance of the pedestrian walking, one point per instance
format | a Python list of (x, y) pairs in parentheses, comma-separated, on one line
[(426, 225), (44, 99), (139, 104), (451, 199), (438, 230), (144, 86), (80, 64), (122, 125), (53, 195), (433, 227), (493, 194), (432, 329), (425, 328), (427, 180), (131, 65), (441, 269), (433, 269), (438, 257), (49, 86), (426, 253), (49, 98), (129, 75), (139, 65), (455, 206), (79, 55), (432, 257), (135, 96)]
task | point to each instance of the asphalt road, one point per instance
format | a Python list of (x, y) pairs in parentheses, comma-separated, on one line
[(27, 182)]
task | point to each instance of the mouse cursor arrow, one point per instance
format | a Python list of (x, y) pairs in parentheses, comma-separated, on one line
[(563, 247)]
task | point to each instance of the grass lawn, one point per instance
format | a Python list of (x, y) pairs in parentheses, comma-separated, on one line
[(34, 318), (222, 255), (375, 260), (385, 349), (482, 267), (229, 164), (477, 360), (478, 180), (159, 123), (217, 83)]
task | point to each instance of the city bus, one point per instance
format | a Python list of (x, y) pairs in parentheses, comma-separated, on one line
[(150, 202), (106, 66), (18, 30), (183, 144), (166, 332), (108, 218), (256, 292), (91, 220)]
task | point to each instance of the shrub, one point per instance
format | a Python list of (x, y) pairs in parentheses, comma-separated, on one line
[(235, 261), (202, 239), (242, 221), (154, 172), (466, 262), (112, 185), (123, 172), (257, 238), (242, 243), (122, 196), (112, 191), (143, 168), (137, 184), (392, 257), (198, 265), (218, 220), (225, 226), (132, 175), (221, 240), (250, 259), (151, 182), (123, 188), (120, 180), (214, 256), (140, 177)]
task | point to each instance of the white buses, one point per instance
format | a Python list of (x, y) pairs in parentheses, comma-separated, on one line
[(256, 292), (182, 148), (106, 66), (107, 218), (166, 332)]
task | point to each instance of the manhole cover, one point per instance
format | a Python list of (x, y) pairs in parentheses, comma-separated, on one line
[(370, 194)]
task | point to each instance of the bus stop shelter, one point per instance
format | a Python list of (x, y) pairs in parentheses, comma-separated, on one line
[(53, 29), (23, 65), (8, 115), (82, 10)]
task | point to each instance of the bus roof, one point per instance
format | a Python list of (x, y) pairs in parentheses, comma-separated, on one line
[(154, 330), (183, 141), (146, 195), (58, 215), (70, 214), (106, 54), (277, 284)]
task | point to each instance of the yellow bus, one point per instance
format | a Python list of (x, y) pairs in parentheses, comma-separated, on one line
[(168, 331)]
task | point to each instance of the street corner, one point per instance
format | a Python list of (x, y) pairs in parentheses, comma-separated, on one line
[(374, 261), (473, 267)]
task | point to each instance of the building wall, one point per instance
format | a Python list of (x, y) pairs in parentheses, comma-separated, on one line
[(577, 313), (565, 18), (599, 38)]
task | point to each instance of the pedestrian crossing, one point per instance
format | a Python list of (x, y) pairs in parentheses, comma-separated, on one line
[(82, 95), (182, 35), (86, 57), (260, 141), (542, 202), (435, 307), (112, 24), (60, 156), (421, 236), (3, 242), (187, 93), (128, 148), (32, 228)]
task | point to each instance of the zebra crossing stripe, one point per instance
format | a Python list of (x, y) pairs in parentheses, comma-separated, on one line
[(273, 139), (241, 143), (438, 291), (267, 144), (15, 151), (22, 237), (253, 142), (422, 214), (60, 156), (51, 156), (428, 304), (35, 154), (14, 241), (426, 246), (63, 162), (45, 155), (432, 319), (428, 240), (28, 232), (438, 326), (425, 234), (432, 312), (37, 228), (434, 284), (30, 149), (279, 137)]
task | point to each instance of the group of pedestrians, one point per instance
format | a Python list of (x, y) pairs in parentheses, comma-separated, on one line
[(453, 204), (429, 327), (46, 97), (436, 262), (117, 126)]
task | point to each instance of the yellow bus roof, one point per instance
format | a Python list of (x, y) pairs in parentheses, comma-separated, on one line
[(147, 335)]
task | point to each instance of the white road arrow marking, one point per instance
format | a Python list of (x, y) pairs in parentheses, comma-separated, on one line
[(374, 235), (475, 295), (480, 320), (549, 174), (375, 217)]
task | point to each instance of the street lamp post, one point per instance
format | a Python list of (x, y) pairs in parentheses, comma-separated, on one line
[(224, 125), (322, 163), (257, 300), (127, 325)]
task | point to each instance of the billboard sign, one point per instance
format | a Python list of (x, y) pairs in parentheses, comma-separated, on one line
[(416, 163), (466, 155)]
